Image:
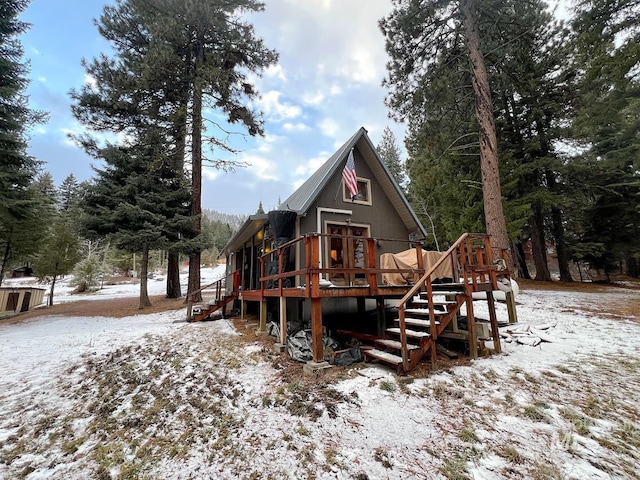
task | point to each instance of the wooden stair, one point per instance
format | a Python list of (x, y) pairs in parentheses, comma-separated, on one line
[(431, 306), (200, 312), (222, 298)]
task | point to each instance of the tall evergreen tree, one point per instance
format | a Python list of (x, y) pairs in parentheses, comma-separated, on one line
[(189, 55), (606, 177), (390, 153), (131, 95), (131, 199), (217, 50), (417, 31), (17, 207), (69, 193), (532, 91)]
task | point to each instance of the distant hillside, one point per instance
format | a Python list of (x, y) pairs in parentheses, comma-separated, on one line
[(234, 221)]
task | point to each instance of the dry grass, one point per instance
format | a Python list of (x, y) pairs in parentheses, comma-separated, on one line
[(628, 309), (183, 396)]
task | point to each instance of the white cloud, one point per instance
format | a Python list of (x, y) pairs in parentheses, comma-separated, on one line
[(272, 107), (42, 79), (335, 90), (276, 71), (361, 67), (296, 127), (307, 169), (330, 128), (262, 168), (265, 144), (210, 173), (313, 98)]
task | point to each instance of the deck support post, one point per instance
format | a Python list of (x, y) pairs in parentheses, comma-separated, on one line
[(495, 333), (382, 316), (262, 327), (283, 321), (511, 307), (471, 327), (317, 346)]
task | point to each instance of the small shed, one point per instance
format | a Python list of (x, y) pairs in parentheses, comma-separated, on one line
[(21, 272), (20, 299)]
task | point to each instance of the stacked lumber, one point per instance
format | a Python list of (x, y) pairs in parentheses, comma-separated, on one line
[(528, 334)]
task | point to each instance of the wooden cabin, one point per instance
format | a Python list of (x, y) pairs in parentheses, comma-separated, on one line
[(332, 258)]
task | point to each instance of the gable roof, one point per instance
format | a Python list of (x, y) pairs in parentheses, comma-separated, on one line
[(302, 199)]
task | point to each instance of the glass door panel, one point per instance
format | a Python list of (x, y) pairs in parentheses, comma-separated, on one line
[(347, 252)]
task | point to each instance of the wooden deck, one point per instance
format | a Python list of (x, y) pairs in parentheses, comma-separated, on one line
[(470, 261)]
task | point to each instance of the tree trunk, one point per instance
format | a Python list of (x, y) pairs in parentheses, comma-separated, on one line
[(144, 272), (491, 190), (632, 267), (53, 285), (173, 275), (556, 216), (196, 178), (5, 258), (180, 137), (561, 247), (538, 247), (523, 269)]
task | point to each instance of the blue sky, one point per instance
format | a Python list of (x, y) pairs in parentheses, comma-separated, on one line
[(326, 85)]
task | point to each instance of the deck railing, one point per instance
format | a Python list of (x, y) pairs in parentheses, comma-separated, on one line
[(275, 275)]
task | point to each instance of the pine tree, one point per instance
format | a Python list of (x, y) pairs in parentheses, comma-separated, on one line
[(605, 179), (532, 88), (390, 154), (69, 193), (218, 51), (17, 207), (59, 252), (416, 32), (131, 97), (131, 199), (188, 56)]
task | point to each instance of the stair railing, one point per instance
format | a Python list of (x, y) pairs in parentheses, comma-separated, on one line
[(219, 289), (425, 280)]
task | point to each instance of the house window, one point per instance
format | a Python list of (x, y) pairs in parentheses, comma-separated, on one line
[(364, 192)]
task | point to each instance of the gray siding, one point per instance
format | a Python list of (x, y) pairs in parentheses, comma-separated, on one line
[(380, 215)]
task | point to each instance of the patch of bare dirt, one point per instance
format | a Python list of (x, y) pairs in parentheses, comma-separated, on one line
[(113, 307)]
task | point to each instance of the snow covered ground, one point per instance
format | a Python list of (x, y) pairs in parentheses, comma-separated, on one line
[(150, 396)]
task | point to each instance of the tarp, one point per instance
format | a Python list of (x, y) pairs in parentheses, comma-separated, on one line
[(408, 260), (299, 345)]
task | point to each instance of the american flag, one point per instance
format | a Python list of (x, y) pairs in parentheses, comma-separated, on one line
[(349, 176)]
